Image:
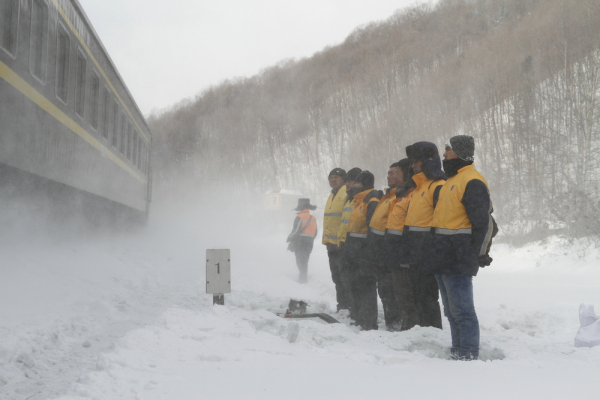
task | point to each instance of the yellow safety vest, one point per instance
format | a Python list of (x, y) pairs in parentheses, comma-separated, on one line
[(450, 216), (420, 211), (333, 215), (358, 221), (346, 214), (382, 212), (397, 217)]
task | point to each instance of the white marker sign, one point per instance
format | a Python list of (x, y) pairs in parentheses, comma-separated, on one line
[(218, 271)]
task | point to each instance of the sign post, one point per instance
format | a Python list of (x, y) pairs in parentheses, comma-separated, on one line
[(218, 274)]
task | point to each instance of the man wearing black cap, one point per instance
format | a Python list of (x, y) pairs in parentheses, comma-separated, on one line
[(302, 236), (417, 237), (364, 286), (331, 223), (464, 228)]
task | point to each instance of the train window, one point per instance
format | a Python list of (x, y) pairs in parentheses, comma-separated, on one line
[(94, 101), (124, 135), (62, 70), (115, 125), (131, 143), (80, 80), (141, 155), (138, 156), (39, 39), (106, 114), (9, 19), (146, 158)]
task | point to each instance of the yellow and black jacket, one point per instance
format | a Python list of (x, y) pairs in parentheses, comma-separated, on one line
[(463, 224), (333, 215), (362, 212), (417, 236)]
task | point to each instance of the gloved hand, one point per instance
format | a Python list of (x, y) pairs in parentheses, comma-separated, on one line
[(485, 260)]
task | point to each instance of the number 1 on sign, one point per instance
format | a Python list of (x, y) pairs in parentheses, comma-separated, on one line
[(218, 268)]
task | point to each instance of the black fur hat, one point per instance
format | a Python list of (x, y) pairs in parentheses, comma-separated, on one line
[(366, 179)]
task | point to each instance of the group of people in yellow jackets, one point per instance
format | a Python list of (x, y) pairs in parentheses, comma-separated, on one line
[(427, 235)]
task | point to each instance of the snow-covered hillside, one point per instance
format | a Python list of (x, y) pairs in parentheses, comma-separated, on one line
[(126, 316)]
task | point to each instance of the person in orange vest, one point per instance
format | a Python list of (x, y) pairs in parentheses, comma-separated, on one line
[(302, 236), (375, 246), (464, 228), (331, 223), (363, 277), (402, 279), (417, 237)]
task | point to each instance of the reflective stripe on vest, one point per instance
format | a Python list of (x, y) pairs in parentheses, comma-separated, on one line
[(377, 232), (331, 237), (394, 232), (333, 214), (419, 228), (345, 221), (358, 235), (453, 231)]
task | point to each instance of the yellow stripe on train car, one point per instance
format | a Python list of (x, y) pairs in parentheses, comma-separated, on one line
[(22, 86)]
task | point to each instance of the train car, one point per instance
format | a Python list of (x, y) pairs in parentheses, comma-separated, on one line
[(68, 123)]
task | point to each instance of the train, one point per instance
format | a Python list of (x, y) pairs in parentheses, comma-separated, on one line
[(69, 127)]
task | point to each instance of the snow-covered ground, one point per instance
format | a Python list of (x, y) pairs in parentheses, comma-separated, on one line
[(125, 317)]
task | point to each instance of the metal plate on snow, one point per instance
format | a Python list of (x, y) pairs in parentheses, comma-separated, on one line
[(218, 271)]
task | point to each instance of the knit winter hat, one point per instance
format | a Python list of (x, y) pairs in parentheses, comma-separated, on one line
[(339, 172), (366, 179), (353, 173), (463, 146)]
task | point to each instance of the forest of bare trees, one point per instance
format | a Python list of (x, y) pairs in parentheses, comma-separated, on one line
[(521, 76)]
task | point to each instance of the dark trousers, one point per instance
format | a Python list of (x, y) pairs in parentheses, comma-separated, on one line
[(385, 288), (336, 265), (418, 298), (364, 294), (302, 263)]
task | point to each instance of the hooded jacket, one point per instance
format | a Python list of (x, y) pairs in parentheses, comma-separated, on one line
[(417, 235), (463, 224)]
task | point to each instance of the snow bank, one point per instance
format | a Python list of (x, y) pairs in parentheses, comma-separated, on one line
[(125, 317)]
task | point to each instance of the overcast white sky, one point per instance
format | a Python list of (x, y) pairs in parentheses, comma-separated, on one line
[(167, 51)]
